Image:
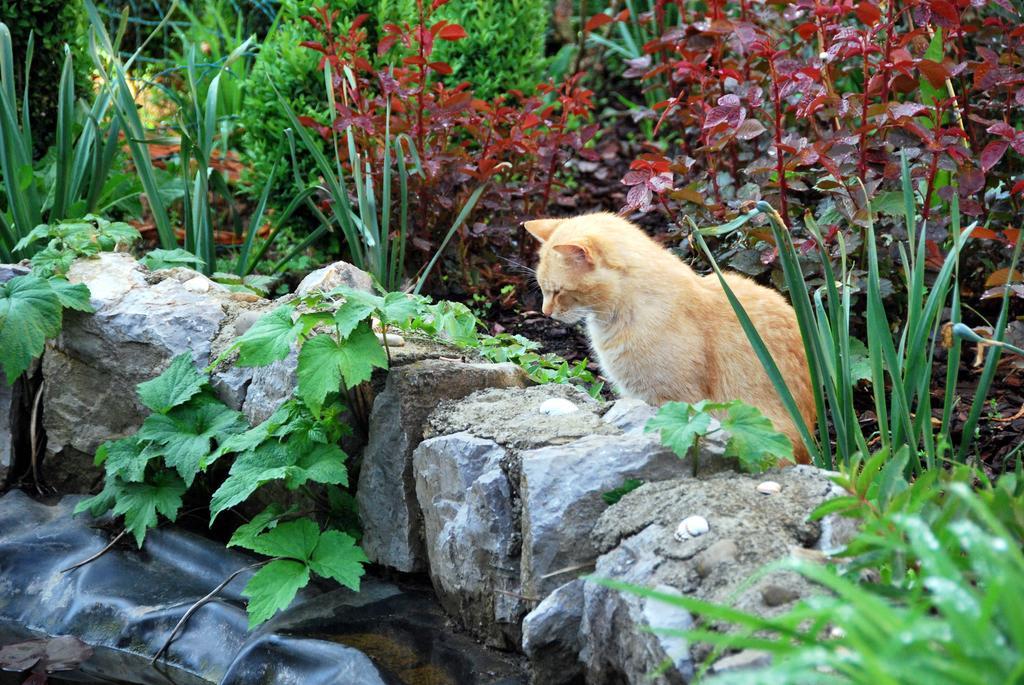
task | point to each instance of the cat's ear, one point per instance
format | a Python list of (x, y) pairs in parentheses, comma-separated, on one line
[(542, 228), (579, 253)]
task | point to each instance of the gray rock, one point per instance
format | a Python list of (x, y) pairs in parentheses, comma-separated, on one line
[(9, 271), (617, 648), (392, 527), (747, 531), (561, 487), (334, 275), (551, 636), (548, 474), (513, 418), (15, 415), (269, 387), (629, 414), (142, 320), (470, 531)]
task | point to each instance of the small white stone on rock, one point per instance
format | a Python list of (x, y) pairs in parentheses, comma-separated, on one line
[(769, 487), (557, 406), (198, 284), (691, 527)]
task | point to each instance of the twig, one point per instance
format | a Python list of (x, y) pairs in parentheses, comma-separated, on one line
[(568, 569), (34, 441), (195, 607), (96, 556)]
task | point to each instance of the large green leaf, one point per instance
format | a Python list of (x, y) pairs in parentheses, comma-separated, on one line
[(325, 362), (183, 435), (269, 461), (140, 503), (350, 314), (176, 385), (30, 312), (294, 539), (338, 556), (72, 296), (125, 458), (273, 588), (680, 424), (321, 464), (269, 339), (753, 439), (245, 534)]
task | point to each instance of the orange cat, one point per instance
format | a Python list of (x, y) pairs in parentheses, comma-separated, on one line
[(660, 331)]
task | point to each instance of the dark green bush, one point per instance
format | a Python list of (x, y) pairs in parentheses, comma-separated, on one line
[(283, 64), (53, 23), (504, 46)]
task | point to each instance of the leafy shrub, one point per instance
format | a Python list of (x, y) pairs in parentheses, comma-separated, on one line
[(284, 69), (504, 46), (807, 105), (752, 440), (512, 147), (147, 474), (52, 24)]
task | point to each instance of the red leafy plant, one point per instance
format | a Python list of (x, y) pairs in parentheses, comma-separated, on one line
[(514, 144), (811, 104)]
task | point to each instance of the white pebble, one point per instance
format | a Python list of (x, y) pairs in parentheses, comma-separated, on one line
[(691, 527), (769, 487), (557, 406)]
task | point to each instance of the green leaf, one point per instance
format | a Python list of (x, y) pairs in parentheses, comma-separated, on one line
[(860, 364), (168, 259), (269, 339), (30, 312), (72, 296), (628, 486), (245, 534), (273, 587), (140, 503), (294, 539), (269, 461), (321, 464), (184, 434), (753, 439), (125, 458), (176, 385), (680, 426), (349, 315), (338, 556), (101, 503), (399, 308), (325, 362)]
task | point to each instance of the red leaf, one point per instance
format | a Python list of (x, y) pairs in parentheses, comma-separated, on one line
[(452, 32), (1002, 129), (868, 13), (992, 153), (807, 30), (441, 67), (945, 10), (1018, 187), (438, 3), (597, 21), (935, 72)]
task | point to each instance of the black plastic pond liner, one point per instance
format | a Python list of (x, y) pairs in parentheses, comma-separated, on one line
[(126, 602)]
